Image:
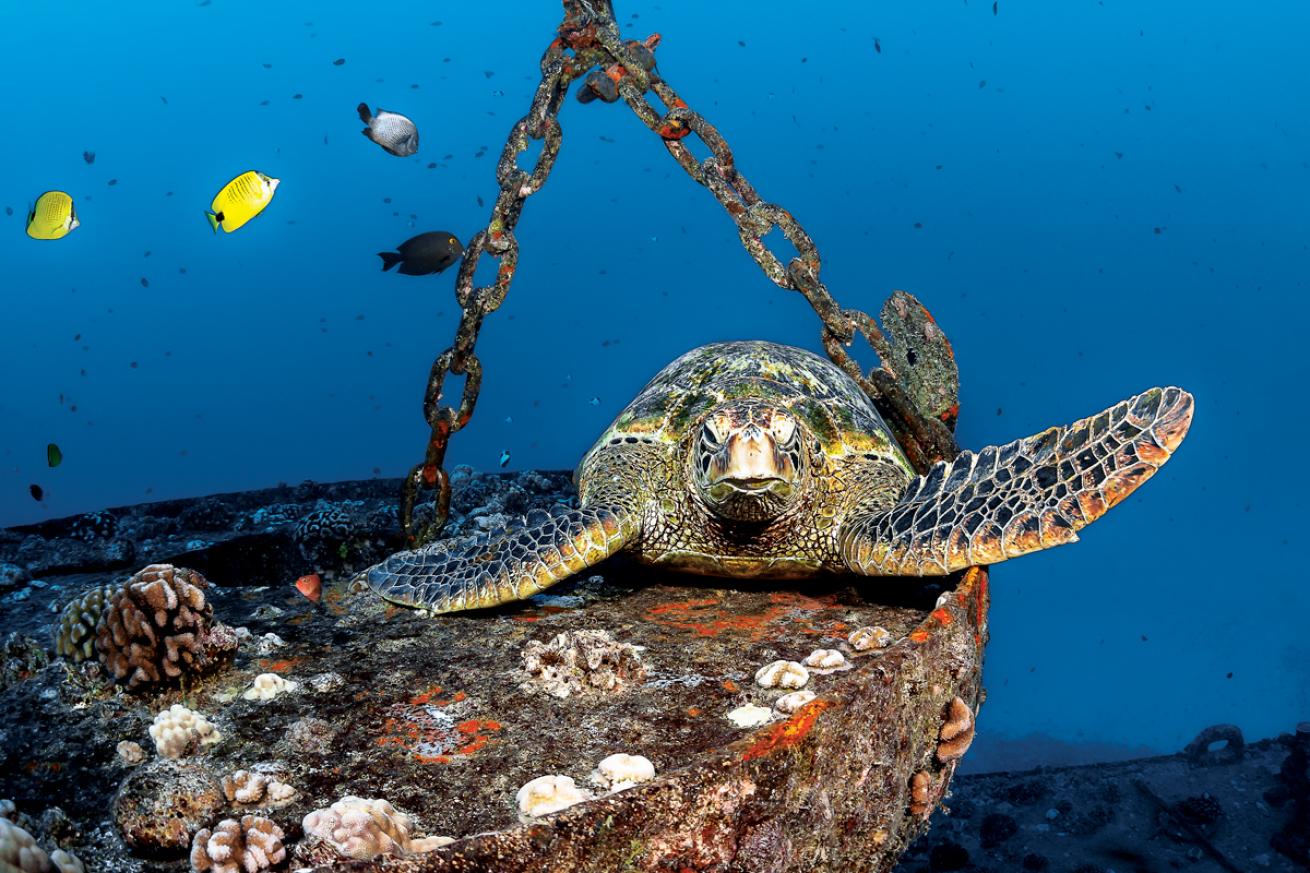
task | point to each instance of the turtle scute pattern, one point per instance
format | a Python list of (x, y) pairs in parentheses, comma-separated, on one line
[(486, 569), (1030, 494)]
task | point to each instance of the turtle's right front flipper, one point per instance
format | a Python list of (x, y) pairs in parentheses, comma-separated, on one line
[(486, 569)]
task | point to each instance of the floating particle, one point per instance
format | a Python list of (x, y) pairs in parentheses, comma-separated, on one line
[(604, 138), (414, 86), (386, 199), (53, 456), (504, 460), (994, 5), (877, 46), (37, 492), (480, 203), (165, 99), (267, 66), (982, 83), (89, 157), (595, 401), (146, 253), (918, 225), (432, 165), (263, 102), (145, 283), (1119, 155), (434, 23), (1178, 188), (999, 410), (339, 62), (805, 60), (112, 182), (297, 96), (488, 73), (9, 210)]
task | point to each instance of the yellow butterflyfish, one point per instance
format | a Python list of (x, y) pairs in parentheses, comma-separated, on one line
[(241, 200), (52, 216)]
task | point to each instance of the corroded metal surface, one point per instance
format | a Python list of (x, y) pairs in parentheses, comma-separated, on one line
[(438, 717)]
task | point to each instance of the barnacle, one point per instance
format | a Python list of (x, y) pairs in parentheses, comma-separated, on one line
[(957, 733), (158, 626), (869, 637), (75, 636), (178, 731), (620, 771), (249, 845), (782, 674), (547, 794)]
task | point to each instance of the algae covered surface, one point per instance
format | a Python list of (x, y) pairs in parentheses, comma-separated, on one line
[(445, 718)]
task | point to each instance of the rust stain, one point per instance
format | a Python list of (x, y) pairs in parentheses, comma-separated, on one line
[(942, 617), (425, 696), (710, 617), (278, 666), (694, 711), (789, 733), (919, 636), (730, 686)]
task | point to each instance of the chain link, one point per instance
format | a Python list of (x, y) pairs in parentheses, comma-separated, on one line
[(589, 39)]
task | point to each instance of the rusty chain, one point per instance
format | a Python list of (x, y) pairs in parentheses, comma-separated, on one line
[(589, 43)]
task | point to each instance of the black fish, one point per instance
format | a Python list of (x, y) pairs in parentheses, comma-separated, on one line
[(424, 254), (38, 494), (89, 157)]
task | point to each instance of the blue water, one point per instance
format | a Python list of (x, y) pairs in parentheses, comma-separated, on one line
[(1039, 149)]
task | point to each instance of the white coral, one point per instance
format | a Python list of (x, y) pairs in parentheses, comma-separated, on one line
[(750, 715), (7, 809), (825, 660), (620, 771), (19, 852), (178, 731), (782, 674), (244, 786), (131, 753), (267, 686), (869, 637), (361, 828), (789, 703), (547, 794), (249, 845)]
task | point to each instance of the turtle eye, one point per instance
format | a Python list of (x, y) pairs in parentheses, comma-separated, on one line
[(784, 430)]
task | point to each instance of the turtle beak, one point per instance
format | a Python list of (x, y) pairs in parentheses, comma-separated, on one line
[(748, 469)]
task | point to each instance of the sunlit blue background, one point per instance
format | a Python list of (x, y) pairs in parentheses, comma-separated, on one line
[(1040, 148)]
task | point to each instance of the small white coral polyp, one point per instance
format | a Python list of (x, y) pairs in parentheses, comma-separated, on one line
[(178, 731), (547, 794)]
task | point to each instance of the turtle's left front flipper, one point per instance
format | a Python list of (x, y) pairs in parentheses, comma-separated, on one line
[(1028, 495), (486, 569)]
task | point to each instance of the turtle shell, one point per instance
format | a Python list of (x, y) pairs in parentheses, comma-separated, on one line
[(675, 402)]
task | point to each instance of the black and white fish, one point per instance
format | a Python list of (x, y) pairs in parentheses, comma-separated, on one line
[(391, 130)]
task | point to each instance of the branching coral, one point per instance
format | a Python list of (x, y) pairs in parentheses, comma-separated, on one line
[(244, 786), (363, 829), (249, 845), (158, 626), (178, 731), (19, 853), (75, 637)]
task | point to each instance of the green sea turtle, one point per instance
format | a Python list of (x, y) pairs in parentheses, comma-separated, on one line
[(751, 459)]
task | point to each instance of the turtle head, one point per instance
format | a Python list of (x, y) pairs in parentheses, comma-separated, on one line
[(749, 461)]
